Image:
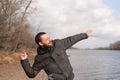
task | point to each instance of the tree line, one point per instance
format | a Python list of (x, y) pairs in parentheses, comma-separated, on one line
[(14, 27), (112, 46), (115, 46)]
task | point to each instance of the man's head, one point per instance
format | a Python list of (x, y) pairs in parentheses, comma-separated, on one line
[(42, 39)]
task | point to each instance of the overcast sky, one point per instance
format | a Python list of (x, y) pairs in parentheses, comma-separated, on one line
[(62, 18)]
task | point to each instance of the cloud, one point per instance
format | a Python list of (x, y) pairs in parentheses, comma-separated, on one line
[(62, 18)]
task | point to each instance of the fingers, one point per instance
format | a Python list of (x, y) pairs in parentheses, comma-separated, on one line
[(88, 32), (23, 55)]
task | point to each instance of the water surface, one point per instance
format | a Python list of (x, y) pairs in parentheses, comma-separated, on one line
[(95, 64)]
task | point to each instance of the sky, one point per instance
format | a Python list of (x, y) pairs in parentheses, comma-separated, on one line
[(63, 18), (113, 4)]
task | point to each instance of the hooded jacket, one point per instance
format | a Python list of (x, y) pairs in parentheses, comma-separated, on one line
[(54, 60)]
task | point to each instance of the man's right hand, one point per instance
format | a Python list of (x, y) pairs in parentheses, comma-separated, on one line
[(24, 56)]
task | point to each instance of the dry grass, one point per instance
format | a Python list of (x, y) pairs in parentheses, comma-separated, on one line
[(10, 66), (10, 58)]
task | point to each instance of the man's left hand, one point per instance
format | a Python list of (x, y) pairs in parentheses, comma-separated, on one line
[(88, 32)]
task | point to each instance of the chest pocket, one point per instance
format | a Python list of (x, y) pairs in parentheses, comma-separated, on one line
[(42, 60)]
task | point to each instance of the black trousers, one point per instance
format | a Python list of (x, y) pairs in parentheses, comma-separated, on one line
[(55, 76)]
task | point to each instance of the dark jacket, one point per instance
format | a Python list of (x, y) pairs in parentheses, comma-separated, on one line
[(54, 60)]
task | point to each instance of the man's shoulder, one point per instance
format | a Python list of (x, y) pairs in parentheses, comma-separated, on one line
[(57, 41)]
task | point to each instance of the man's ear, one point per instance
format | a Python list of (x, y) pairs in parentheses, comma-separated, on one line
[(41, 44)]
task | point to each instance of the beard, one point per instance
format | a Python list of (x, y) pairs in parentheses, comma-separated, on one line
[(48, 45)]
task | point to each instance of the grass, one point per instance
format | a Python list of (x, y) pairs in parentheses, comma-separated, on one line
[(7, 57)]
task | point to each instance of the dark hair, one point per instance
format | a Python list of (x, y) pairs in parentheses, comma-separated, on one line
[(37, 37)]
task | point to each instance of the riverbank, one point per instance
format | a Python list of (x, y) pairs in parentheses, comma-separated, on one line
[(10, 68)]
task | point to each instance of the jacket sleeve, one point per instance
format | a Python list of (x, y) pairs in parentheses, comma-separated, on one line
[(31, 72), (69, 41)]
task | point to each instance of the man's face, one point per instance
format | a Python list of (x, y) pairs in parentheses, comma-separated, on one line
[(46, 40)]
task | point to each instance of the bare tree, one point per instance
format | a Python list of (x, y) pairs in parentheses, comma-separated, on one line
[(21, 22), (12, 22), (8, 13)]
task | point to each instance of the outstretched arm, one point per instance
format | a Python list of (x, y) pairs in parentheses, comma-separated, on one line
[(69, 41), (31, 72)]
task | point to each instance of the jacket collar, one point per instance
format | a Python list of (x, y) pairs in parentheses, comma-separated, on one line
[(42, 50)]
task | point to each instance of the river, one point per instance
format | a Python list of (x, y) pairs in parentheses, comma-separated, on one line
[(95, 64)]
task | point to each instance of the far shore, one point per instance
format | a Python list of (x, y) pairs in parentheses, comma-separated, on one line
[(77, 48)]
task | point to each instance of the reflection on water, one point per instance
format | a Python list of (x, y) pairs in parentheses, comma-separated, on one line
[(95, 64)]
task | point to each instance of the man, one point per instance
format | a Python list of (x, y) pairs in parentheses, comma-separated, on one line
[(51, 56)]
